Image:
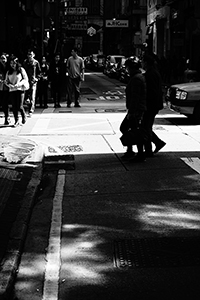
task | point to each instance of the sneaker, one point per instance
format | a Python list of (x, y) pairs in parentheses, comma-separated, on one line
[(16, 124), (23, 120), (29, 114), (159, 146), (77, 105)]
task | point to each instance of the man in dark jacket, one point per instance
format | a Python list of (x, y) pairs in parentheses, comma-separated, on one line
[(135, 104), (32, 68), (154, 103)]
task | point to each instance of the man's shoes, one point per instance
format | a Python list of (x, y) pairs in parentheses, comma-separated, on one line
[(159, 146), (24, 120), (16, 124), (77, 105), (128, 155), (149, 153), (7, 122)]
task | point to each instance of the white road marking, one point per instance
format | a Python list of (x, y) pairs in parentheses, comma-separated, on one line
[(193, 162), (40, 126), (51, 282)]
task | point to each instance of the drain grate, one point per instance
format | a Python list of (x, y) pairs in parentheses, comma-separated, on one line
[(56, 162), (110, 110), (157, 252)]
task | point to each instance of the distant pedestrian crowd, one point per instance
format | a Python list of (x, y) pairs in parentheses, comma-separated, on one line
[(31, 80)]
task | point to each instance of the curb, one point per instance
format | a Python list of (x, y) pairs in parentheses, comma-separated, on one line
[(18, 233)]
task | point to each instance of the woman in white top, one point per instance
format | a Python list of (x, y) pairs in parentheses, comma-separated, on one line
[(17, 82)]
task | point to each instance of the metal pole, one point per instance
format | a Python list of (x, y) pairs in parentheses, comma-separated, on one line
[(42, 26)]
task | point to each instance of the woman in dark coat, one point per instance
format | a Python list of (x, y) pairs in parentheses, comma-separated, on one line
[(135, 104), (56, 77)]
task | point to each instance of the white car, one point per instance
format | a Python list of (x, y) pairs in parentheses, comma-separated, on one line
[(185, 99)]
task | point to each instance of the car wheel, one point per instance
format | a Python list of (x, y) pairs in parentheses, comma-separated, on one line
[(196, 113)]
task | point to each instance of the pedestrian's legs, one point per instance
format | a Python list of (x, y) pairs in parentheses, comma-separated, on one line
[(21, 108), (45, 93), (124, 127), (15, 105), (32, 98), (77, 86), (5, 107)]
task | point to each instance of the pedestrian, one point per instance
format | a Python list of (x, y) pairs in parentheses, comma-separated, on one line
[(136, 106), (56, 78), (33, 70), (3, 88), (75, 69), (17, 82), (154, 103), (43, 83)]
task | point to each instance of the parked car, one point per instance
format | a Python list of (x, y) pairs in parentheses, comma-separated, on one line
[(111, 63), (185, 99), (95, 62)]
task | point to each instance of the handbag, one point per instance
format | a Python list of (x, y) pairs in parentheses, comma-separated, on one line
[(134, 136)]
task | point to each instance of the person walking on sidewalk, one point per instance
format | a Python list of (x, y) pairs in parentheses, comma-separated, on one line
[(75, 69), (154, 103), (17, 82), (33, 70), (56, 78), (136, 106), (4, 88), (43, 83)]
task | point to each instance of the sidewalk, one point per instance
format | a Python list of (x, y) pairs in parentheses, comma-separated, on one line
[(18, 187)]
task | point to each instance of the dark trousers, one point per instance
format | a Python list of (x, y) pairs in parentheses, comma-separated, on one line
[(148, 121), (127, 124), (43, 92), (56, 92), (4, 103), (73, 89), (17, 100)]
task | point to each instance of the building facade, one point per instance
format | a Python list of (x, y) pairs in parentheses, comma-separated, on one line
[(173, 29), (94, 26)]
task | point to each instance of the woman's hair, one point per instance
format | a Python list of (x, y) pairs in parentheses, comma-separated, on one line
[(18, 65)]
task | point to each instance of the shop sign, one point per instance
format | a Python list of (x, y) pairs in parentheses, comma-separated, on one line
[(76, 11), (116, 23)]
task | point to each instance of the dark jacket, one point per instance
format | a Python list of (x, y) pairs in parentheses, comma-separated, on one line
[(136, 93), (56, 73), (154, 89)]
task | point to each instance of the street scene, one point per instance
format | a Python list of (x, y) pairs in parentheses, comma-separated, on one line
[(95, 216), (99, 150)]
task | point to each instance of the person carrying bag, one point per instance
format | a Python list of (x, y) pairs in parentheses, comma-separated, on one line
[(136, 106)]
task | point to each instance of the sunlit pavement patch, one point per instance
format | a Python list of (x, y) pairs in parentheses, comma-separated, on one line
[(157, 252), (192, 162)]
